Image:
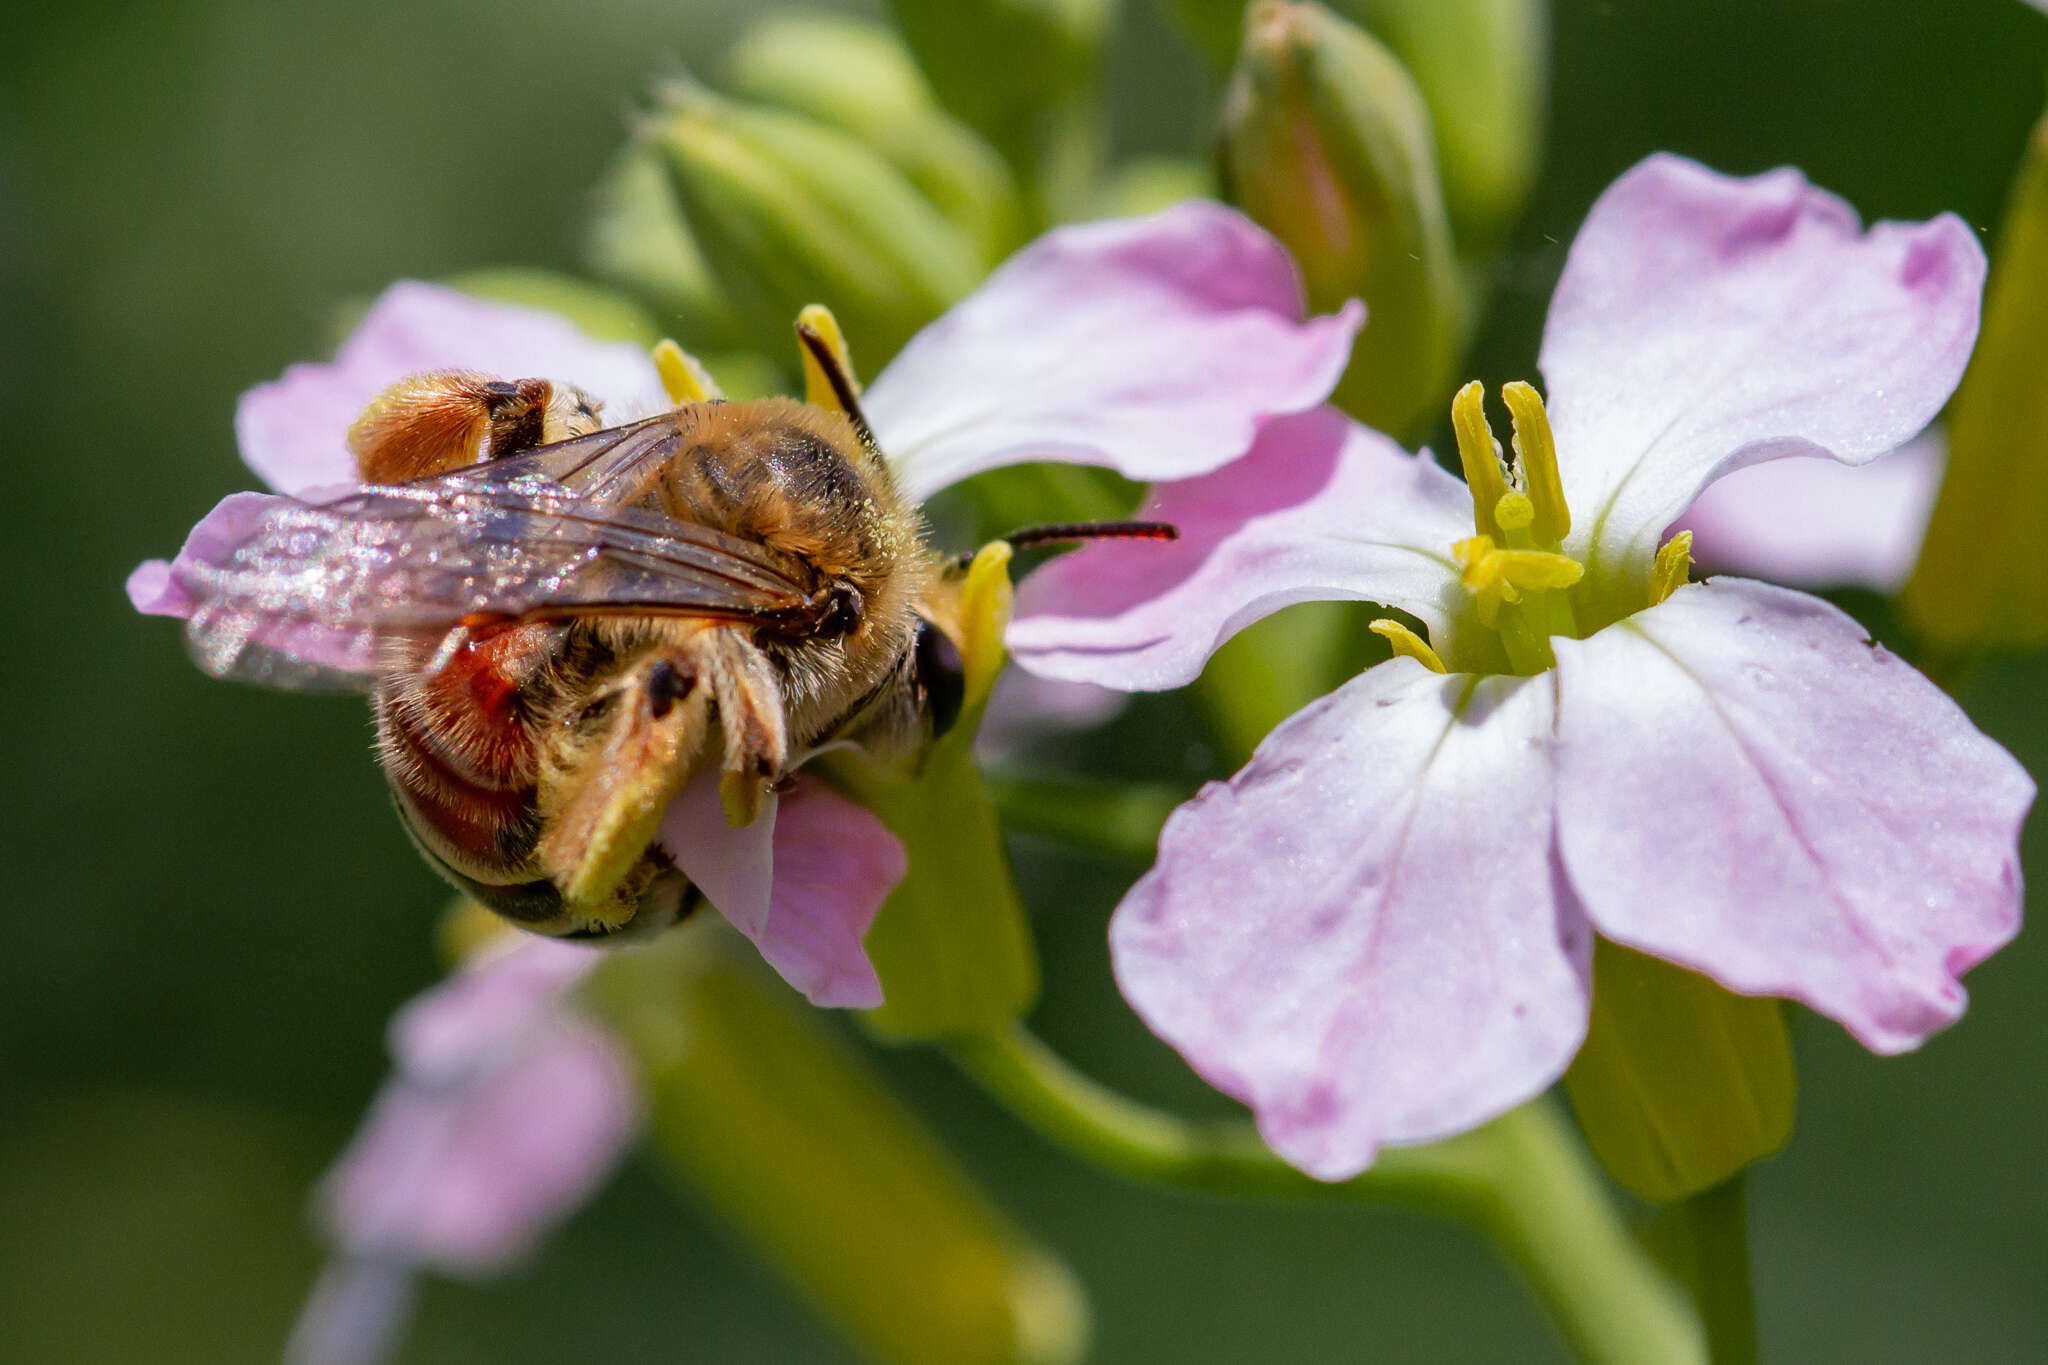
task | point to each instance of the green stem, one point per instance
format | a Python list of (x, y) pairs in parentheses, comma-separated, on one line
[(1118, 819), (1521, 1182), (1716, 1221)]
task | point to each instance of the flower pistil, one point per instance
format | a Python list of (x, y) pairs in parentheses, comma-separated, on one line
[(1515, 567)]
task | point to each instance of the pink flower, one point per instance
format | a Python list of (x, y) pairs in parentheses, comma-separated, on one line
[(506, 1112), (509, 1106), (1380, 930), (1158, 347), (1810, 522)]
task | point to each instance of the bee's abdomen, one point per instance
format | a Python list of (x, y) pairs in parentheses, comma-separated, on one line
[(484, 819), (459, 754)]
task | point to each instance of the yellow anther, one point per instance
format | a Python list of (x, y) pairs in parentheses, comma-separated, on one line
[(1495, 576), (1673, 567), (1514, 511), (682, 376), (818, 387), (1407, 643), (1536, 462), (1539, 570), (1484, 564), (1480, 455), (1478, 556)]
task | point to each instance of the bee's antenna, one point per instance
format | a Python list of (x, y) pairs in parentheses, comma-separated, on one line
[(835, 373), (1061, 532), (1064, 532)]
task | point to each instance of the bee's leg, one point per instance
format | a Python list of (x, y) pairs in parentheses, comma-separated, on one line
[(750, 716), (611, 772)]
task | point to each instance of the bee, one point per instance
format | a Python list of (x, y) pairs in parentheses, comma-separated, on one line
[(560, 623)]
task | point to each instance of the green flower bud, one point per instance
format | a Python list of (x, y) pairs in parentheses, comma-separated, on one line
[(790, 212), (1001, 64), (597, 311), (1977, 585), (1483, 69), (951, 944), (1326, 143), (637, 239), (858, 76), (1680, 1084), (790, 1137)]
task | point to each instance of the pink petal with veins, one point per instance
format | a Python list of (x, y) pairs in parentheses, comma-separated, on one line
[(1156, 346), (1321, 508), (1704, 323), (804, 881), (1747, 786), (1364, 934)]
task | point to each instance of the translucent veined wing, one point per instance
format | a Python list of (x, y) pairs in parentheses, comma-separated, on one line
[(305, 593), (616, 465)]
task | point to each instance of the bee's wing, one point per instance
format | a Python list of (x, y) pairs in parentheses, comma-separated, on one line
[(616, 465), (302, 594)]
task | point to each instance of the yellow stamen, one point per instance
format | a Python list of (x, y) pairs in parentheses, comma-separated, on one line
[(1472, 552), (1407, 643), (1515, 568), (1483, 577), (1673, 567), (817, 387), (682, 376), (1539, 570), (1536, 461), (985, 597), (1514, 511), (1480, 455)]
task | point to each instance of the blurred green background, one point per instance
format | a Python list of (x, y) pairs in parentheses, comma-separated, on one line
[(214, 912)]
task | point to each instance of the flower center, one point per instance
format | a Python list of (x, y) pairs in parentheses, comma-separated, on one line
[(1515, 567)]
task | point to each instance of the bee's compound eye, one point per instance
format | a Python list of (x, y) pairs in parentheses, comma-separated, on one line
[(940, 676), (842, 612)]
